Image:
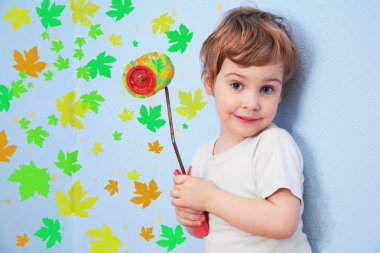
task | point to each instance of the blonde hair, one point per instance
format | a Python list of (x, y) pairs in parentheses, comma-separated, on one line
[(248, 36)]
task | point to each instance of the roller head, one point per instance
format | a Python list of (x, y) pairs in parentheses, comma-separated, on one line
[(146, 75)]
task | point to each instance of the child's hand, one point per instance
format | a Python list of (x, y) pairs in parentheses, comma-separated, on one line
[(188, 217), (192, 192)]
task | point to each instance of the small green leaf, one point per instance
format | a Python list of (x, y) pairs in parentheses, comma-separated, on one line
[(48, 75), (62, 63), (52, 120), (23, 75), (83, 72), (120, 9), (37, 136), (57, 46), (45, 36), (100, 65), (80, 41), (68, 163), (93, 99), (180, 39), (152, 120), (49, 14), (78, 53), (95, 31), (18, 88), (135, 43), (6, 96), (117, 136), (51, 231), (24, 123), (171, 238)]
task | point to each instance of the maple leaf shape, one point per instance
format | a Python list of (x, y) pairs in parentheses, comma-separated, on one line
[(68, 163), (106, 242), (37, 136), (22, 240), (147, 233), (93, 100), (32, 180), (162, 23), (70, 109), (53, 120), (97, 148), (190, 105), (81, 9), (117, 136), (152, 119), (49, 14), (18, 16), (5, 151), (30, 64), (147, 193), (74, 203), (18, 88), (6, 96), (120, 9), (180, 39), (99, 65), (95, 31), (133, 175), (126, 115), (155, 147), (112, 187), (115, 39), (51, 231), (172, 238)]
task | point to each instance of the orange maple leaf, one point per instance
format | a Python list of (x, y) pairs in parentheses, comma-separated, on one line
[(155, 147), (30, 64), (147, 193), (22, 240), (8, 151), (147, 233), (112, 187)]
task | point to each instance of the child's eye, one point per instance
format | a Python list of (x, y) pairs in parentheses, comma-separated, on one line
[(266, 89), (236, 86)]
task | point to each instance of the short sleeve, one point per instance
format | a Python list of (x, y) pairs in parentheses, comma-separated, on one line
[(278, 163)]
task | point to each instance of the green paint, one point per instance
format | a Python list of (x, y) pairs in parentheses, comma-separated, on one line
[(68, 163), (49, 14), (51, 232), (152, 119)]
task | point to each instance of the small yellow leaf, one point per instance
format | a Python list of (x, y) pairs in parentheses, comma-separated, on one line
[(133, 175), (126, 115), (115, 40), (18, 17), (97, 148)]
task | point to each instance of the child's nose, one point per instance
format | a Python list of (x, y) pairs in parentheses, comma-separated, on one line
[(251, 102)]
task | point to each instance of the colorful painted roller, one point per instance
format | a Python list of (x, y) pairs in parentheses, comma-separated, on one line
[(148, 74)]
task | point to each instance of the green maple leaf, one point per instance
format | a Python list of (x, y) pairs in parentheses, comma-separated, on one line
[(152, 119), (117, 136), (78, 53), (6, 96), (95, 31), (32, 180), (80, 41), (83, 72), (180, 39), (52, 120), (62, 63), (68, 163), (23, 74), (57, 46), (24, 123), (158, 64), (171, 238), (18, 88), (37, 136), (121, 8), (93, 99), (30, 85), (185, 126), (45, 36), (135, 43), (48, 75), (99, 65), (49, 14), (51, 231), (190, 105)]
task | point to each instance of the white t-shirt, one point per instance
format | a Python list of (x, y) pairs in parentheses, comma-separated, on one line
[(255, 168)]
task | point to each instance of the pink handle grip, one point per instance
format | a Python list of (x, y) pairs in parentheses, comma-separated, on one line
[(203, 229)]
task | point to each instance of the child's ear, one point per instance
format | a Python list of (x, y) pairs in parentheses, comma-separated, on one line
[(208, 85)]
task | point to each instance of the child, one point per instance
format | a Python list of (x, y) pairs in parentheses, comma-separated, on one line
[(249, 180)]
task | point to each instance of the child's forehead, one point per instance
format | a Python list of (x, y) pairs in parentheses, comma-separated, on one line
[(273, 66)]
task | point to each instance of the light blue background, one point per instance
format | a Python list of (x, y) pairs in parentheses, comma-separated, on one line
[(332, 110)]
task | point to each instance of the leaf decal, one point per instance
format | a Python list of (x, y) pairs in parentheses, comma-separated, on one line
[(162, 23), (51, 231), (100, 65), (49, 14), (112, 187), (81, 10), (155, 147), (6, 96), (17, 17), (105, 241), (120, 9), (18, 88), (190, 105), (74, 202), (180, 39), (147, 193), (32, 180), (68, 162), (93, 100), (22, 240), (97, 148), (147, 233), (70, 109), (171, 238), (133, 175), (5, 151), (30, 64), (126, 115), (151, 119), (37, 136)]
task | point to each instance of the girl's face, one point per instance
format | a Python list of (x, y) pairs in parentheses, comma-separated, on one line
[(246, 98)]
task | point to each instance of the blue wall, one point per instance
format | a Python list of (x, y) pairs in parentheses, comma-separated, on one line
[(331, 109)]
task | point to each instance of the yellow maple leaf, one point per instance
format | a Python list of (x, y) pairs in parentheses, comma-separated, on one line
[(155, 147), (105, 240), (22, 240), (81, 9), (112, 187), (74, 203), (190, 105), (147, 193), (133, 175), (147, 233), (30, 64), (97, 148), (126, 115), (5, 151), (71, 108), (162, 23), (115, 39), (18, 17)]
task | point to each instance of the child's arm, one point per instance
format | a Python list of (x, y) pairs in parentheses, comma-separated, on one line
[(275, 217)]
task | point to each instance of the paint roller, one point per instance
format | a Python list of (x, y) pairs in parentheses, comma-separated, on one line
[(145, 76)]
